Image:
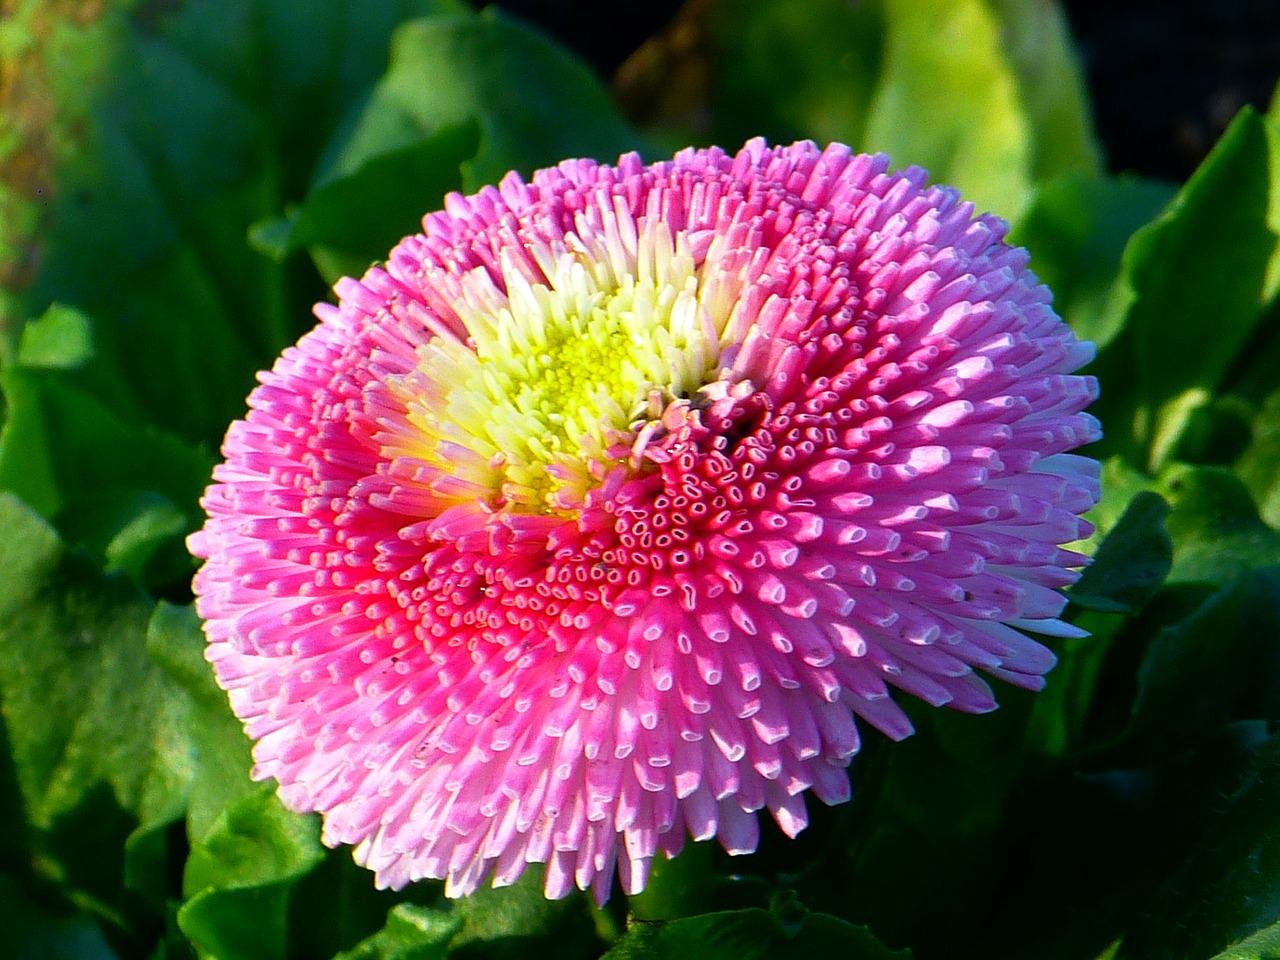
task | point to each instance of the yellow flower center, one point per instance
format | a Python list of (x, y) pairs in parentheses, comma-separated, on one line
[(555, 374)]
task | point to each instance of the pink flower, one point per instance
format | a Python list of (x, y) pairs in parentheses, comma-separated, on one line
[(594, 518)]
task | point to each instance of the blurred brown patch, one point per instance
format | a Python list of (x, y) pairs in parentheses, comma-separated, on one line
[(31, 128), (667, 82)]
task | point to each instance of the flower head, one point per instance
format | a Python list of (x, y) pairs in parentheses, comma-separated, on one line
[(593, 519)]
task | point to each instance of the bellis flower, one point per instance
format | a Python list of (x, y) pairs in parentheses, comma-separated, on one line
[(593, 520)]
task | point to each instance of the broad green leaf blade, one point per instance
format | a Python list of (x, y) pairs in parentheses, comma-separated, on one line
[(1217, 665), (985, 95), (95, 730), (519, 87), (1065, 715), (255, 841), (61, 339), (1132, 562), (509, 923), (1105, 841), (678, 888), (1263, 945), (356, 218), (1216, 529), (182, 125), (948, 101), (238, 878), (1121, 483), (465, 100), (1196, 285), (947, 787), (1076, 228), (125, 492), (1259, 465), (320, 909), (753, 934), (81, 703), (1210, 657), (1230, 889), (220, 749), (830, 52), (1051, 89), (412, 932), (1129, 566)]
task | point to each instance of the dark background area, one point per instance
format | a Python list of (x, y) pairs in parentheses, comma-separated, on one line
[(1165, 77)]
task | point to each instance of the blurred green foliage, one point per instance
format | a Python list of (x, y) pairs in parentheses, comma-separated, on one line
[(178, 184)]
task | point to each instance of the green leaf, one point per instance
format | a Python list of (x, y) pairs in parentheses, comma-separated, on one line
[(1218, 431), (81, 703), (1121, 483), (62, 339), (1263, 945), (1076, 228), (1217, 665), (1259, 465), (509, 923), (239, 877), (830, 52), (95, 729), (180, 126), (948, 787), (215, 737), (1105, 841), (1216, 529), (1065, 714), (949, 99), (1036, 39), (336, 907), (357, 217), (464, 100), (124, 491), (788, 930), (1208, 652), (1212, 257), (255, 841), (678, 887), (320, 909), (985, 95), (1132, 562), (411, 933), (1230, 889), (519, 87)]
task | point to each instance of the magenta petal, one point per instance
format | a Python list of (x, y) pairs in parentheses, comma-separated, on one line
[(597, 516)]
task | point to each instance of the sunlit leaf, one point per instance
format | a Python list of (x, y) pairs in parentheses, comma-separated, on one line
[(95, 729), (518, 86), (1259, 464), (985, 95), (238, 878), (411, 933), (1196, 284)]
